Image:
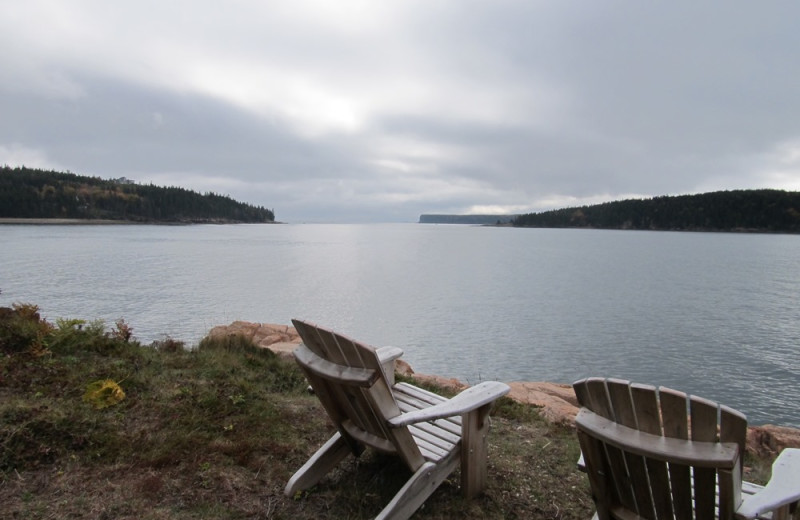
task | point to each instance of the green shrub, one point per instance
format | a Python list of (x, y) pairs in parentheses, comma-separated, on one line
[(71, 335), (23, 330)]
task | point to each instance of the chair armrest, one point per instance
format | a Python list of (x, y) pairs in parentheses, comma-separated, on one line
[(783, 487), (468, 400), (386, 354), (666, 449)]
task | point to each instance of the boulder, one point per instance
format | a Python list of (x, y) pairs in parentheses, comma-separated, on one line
[(768, 440), (281, 339), (557, 401)]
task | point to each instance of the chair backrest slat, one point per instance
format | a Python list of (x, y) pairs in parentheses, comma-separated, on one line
[(648, 416), (619, 395), (592, 394), (674, 415), (703, 427)]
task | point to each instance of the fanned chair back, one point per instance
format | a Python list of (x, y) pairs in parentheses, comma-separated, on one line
[(349, 381), (658, 453)]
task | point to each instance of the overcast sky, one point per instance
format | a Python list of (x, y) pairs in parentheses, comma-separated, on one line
[(380, 110)]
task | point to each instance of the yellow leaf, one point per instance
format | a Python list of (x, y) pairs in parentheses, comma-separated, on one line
[(103, 393)]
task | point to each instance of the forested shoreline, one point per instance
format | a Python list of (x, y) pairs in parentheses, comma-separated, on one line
[(770, 211), (30, 193)]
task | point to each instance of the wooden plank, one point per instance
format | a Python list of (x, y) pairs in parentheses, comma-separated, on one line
[(781, 491), (674, 413), (325, 459), (645, 405), (474, 450), (729, 494), (377, 442), (470, 399), (344, 402), (701, 454), (332, 371), (703, 428), (435, 430), (431, 447), (446, 425), (431, 437), (385, 406), (618, 487), (420, 394), (336, 409), (581, 392), (357, 353), (367, 414), (620, 396), (327, 342), (450, 424), (732, 428), (648, 417), (598, 397), (418, 488), (387, 357), (748, 488), (629, 470), (598, 472), (674, 421), (308, 334)]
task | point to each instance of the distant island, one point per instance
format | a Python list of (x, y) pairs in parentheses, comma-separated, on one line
[(28, 193), (766, 211), (466, 219), (755, 211)]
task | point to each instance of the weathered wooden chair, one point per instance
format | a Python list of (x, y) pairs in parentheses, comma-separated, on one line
[(659, 454), (431, 434)]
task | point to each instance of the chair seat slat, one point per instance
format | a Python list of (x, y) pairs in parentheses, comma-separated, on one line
[(437, 430), (434, 436)]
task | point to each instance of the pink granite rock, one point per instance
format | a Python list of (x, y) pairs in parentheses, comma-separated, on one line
[(557, 401), (769, 440), (281, 339)]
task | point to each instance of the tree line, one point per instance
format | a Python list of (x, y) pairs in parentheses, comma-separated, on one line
[(34, 193), (775, 211)]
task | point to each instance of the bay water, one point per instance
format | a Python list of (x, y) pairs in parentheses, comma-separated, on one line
[(712, 314)]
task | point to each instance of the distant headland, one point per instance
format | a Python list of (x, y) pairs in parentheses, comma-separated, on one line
[(467, 219), (753, 211), (33, 196)]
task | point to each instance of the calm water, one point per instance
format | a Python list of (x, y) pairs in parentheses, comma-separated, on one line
[(711, 314)]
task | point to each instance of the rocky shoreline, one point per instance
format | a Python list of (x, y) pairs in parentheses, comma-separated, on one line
[(557, 401)]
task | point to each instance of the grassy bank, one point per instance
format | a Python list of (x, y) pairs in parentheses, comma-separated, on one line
[(95, 425)]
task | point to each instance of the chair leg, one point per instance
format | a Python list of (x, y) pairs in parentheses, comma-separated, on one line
[(318, 465), (418, 488), (474, 450)]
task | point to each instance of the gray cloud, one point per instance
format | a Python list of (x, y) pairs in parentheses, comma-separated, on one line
[(367, 111)]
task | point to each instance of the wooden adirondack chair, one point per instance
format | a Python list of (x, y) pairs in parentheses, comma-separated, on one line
[(431, 434), (657, 453)]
